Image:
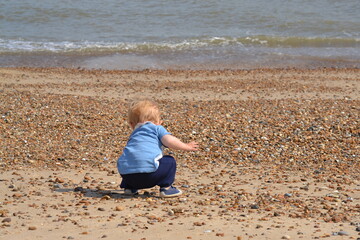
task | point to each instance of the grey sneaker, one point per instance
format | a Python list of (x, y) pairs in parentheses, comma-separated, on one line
[(170, 192)]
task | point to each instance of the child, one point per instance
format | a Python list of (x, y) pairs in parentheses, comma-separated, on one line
[(142, 164)]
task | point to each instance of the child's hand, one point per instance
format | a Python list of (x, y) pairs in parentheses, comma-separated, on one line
[(172, 142), (193, 146)]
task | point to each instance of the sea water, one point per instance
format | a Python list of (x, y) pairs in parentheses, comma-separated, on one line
[(181, 34)]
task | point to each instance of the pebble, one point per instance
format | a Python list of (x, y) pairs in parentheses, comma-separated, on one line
[(57, 185), (59, 180), (286, 237), (343, 233), (332, 195), (340, 233), (105, 197), (32, 228), (6, 220), (254, 206), (119, 208)]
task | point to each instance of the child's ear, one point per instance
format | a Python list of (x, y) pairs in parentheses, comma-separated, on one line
[(132, 125)]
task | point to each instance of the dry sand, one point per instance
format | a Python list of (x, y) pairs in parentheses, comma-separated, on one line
[(279, 154)]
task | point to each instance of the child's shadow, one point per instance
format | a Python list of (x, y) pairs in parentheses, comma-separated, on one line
[(106, 194)]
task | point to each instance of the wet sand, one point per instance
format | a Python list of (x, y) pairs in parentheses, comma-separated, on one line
[(279, 154)]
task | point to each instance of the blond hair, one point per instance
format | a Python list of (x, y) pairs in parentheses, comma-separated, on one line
[(143, 111)]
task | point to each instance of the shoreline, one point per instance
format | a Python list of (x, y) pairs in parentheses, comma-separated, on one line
[(279, 154), (261, 58)]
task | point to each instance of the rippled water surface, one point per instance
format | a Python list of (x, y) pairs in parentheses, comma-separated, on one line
[(180, 34)]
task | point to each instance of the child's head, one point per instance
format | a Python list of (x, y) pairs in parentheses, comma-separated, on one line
[(143, 111)]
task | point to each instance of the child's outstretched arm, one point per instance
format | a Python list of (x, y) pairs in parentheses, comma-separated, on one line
[(173, 142)]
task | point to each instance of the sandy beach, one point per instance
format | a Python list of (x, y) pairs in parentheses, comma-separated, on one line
[(279, 156)]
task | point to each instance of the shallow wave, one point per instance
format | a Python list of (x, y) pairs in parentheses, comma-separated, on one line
[(21, 46)]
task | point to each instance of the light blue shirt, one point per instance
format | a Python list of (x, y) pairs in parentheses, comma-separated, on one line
[(143, 150)]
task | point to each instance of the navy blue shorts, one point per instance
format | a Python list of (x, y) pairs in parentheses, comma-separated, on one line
[(164, 176)]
